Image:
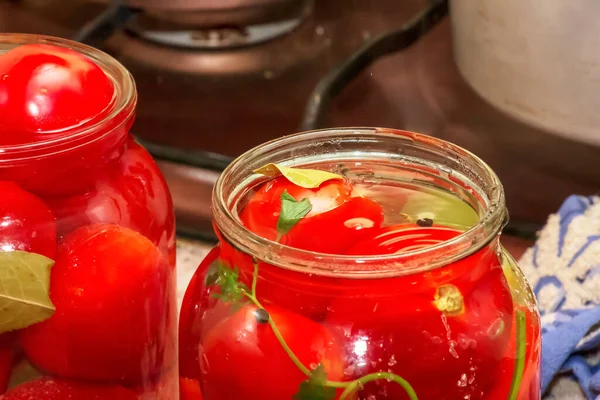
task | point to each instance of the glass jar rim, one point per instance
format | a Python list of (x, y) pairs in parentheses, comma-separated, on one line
[(488, 227), (122, 105)]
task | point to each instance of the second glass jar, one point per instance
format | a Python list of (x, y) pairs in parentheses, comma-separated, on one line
[(87, 233)]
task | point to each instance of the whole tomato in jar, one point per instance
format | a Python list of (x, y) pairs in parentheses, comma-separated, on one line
[(453, 322), (132, 193), (27, 224), (47, 89)]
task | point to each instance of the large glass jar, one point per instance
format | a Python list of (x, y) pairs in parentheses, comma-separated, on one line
[(87, 262), (443, 312)]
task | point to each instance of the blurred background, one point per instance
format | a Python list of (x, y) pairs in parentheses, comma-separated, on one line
[(215, 78)]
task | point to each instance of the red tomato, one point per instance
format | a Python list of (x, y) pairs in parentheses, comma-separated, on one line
[(56, 389), (299, 292), (9, 354), (163, 387), (115, 314), (198, 310), (401, 238), (242, 359), (261, 214), (336, 230), (27, 223), (394, 324), (132, 194), (46, 89), (189, 389)]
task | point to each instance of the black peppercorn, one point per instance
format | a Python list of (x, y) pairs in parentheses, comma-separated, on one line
[(425, 222), (261, 315)]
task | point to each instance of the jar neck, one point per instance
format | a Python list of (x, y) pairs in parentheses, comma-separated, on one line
[(111, 128), (433, 161)]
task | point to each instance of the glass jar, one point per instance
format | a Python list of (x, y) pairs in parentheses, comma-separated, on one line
[(87, 240), (451, 319)]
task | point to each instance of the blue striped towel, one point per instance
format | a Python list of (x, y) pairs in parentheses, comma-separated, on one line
[(563, 268)]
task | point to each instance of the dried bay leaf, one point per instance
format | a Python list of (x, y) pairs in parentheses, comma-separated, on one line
[(306, 178), (24, 288)]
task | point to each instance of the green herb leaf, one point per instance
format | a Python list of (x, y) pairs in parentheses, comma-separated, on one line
[(24, 285), (314, 388), (227, 279), (292, 211), (306, 178)]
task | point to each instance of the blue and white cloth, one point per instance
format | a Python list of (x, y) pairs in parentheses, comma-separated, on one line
[(563, 268)]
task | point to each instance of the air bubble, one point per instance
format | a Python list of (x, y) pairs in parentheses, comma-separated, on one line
[(392, 361)]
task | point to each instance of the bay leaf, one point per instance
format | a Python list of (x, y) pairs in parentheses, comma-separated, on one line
[(24, 288), (303, 177)]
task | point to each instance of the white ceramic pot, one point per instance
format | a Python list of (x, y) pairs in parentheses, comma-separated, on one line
[(538, 61)]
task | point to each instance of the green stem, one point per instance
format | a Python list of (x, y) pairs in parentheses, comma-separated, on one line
[(520, 360), (359, 383), (350, 386)]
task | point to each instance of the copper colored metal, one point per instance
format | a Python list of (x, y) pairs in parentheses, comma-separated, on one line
[(187, 5)]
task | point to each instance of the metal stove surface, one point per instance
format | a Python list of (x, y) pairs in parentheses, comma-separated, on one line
[(220, 102)]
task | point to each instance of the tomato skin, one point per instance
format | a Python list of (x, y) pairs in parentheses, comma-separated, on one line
[(9, 356), (115, 309), (27, 222), (58, 389), (189, 389), (396, 239), (242, 358), (261, 213), (336, 230), (197, 310), (400, 329), (46, 89), (133, 194)]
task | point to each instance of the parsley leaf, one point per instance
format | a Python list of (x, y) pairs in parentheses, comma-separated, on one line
[(292, 211), (227, 279), (314, 388)]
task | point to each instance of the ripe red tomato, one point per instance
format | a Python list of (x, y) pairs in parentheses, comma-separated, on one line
[(27, 224), (299, 292), (401, 238), (335, 221), (336, 230), (9, 354), (197, 311), (261, 213), (395, 324), (46, 89), (163, 387), (241, 357), (189, 389), (133, 194), (115, 314), (57, 389)]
